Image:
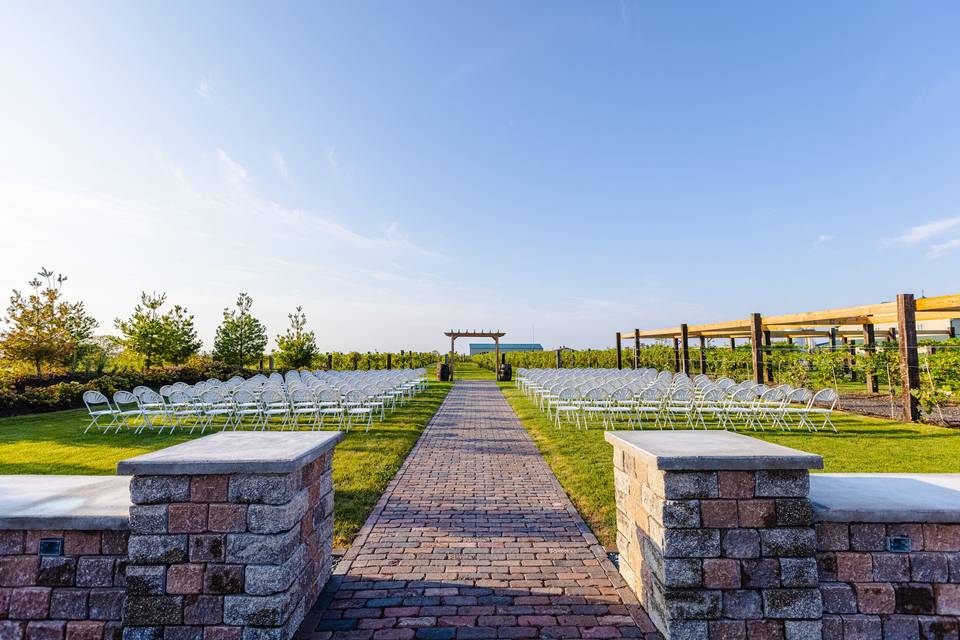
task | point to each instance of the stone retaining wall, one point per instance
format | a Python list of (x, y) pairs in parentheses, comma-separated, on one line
[(74, 596), (869, 592)]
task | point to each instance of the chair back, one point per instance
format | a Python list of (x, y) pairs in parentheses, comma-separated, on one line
[(95, 401)]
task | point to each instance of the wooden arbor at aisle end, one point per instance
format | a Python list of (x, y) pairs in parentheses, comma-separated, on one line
[(453, 335)]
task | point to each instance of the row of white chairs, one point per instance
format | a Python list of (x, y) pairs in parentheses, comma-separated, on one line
[(664, 399), (259, 402)]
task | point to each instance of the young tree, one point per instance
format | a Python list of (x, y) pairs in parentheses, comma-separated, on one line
[(297, 346), (184, 342), (159, 337), (241, 338), (42, 327)]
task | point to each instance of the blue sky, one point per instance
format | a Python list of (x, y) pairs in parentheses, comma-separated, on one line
[(399, 168)]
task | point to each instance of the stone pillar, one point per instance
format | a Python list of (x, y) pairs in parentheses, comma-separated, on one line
[(715, 534), (231, 536)]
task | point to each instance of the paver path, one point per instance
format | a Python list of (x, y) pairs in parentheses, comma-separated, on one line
[(474, 538)]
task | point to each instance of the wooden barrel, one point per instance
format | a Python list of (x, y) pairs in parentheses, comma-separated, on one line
[(443, 372)]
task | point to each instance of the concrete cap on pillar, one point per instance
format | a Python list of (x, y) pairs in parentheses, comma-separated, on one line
[(234, 452), (710, 451)]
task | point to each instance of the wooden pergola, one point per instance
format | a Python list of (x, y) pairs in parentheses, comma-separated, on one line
[(453, 335), (843, 324)]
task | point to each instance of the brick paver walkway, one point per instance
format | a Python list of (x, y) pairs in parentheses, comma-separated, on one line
[(474, 538)]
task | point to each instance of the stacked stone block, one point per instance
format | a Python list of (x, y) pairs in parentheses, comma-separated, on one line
[(718, 553), (74, 596), (869, 592), (227, 556)]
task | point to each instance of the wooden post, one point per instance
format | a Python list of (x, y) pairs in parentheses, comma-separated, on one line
[(870, 346), (636, 348), (261, 364), (769, 367), (329, 362), (756, 344), (619, 352), (496, 362), (952, 330), (356, 361), (733, 344), (790, 340), (271, 362), (833, 338), (676, 355), (684, 349), (559, 360), (909, 359), (703, 355), (389, 361), (453, 341), (845, 342)]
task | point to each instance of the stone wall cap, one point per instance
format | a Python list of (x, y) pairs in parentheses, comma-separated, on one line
[(231, 452), (710, 451), (85, 503), (886, 497)]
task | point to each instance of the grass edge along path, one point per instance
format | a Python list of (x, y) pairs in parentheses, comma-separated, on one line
[(363, 463), (583, 461)]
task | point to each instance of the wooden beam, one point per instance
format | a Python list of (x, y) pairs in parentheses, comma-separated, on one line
[(870, 345), (938, 303), (909, 359), (619, 352), (756, 339), (829, 316), (685, 349)]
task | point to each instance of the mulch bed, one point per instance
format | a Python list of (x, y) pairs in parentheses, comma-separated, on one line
[(881, 406)]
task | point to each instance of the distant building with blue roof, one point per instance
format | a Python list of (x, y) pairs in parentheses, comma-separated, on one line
[(505, 347)]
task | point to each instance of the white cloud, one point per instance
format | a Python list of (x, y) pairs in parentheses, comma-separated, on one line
[(204, 88), (823, 239), (938, 250), (940, 237), (280, 164), (925, 231)]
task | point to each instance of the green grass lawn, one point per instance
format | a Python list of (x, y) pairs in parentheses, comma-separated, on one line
[(471, 371), (363, 463), (583, 461)]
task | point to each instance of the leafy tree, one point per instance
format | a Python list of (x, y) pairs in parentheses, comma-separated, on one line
[(241, 338), (159, 337), (297, 346), (43, 327)]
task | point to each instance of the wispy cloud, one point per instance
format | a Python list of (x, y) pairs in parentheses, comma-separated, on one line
[(939, 249), (205, 89), (333, 163), (242, 198), (925, 231), (823, 239), (940, 236), (280, 164)]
